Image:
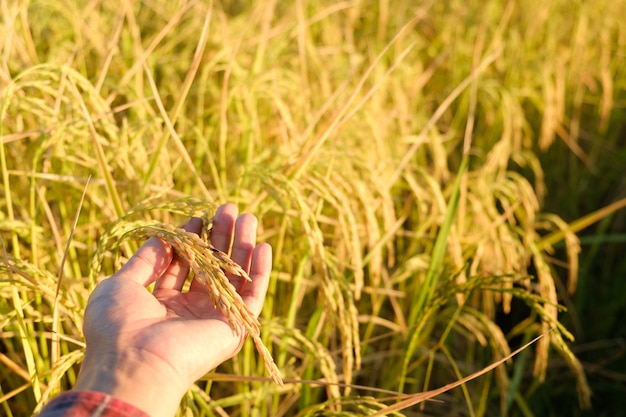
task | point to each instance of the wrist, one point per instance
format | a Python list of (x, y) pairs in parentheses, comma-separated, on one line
[(132, 377)]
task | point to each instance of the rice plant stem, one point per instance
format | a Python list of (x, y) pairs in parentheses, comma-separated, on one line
[(439, 250), (145, 53), (459, 375), (105, 169), (181, 99), (7, 188), (581, 223), (29, 356), (180, 147), (422, 296), (56, 341), (518, 373)]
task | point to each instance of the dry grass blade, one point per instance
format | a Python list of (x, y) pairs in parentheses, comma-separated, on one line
[(423, 396), (210, 266), (55, 346)]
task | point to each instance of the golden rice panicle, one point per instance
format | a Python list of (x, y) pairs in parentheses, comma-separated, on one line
[(228, 265), (210, 266)]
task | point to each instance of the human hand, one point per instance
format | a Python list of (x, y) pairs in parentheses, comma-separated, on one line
[(149, 348)]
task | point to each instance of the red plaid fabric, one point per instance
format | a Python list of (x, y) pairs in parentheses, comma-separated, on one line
[(89, 404)]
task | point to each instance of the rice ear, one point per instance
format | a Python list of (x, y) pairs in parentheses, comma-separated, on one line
[(210, 266)]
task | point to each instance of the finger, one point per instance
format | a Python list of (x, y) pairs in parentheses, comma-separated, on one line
[(244, 243), (253, 293), (176, 274), (223, 226), (221, 234), (148, 263)]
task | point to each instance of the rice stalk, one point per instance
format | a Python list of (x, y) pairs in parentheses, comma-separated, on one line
[(175, 137), (56, 342), (420, 306), (335, 292), (181, 99), (23, 329)]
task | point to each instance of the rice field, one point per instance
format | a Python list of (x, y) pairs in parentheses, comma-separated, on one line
[(408, 161)]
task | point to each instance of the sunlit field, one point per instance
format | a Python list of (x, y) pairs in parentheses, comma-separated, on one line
[(441, 182)]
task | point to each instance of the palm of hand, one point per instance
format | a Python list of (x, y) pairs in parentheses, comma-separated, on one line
[(181, 332)]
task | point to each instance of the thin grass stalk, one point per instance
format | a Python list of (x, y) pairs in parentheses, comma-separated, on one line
[(56, 325), (105, 170), (189, 78), (223, 119), (5, 171), (457, 372), (143, 54), (113, 44), (481, 410), (180, 147), (5, 397), (290, 318), (580, 224), (516, 380)]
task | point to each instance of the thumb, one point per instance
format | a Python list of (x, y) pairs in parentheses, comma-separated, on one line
[(148, 263)]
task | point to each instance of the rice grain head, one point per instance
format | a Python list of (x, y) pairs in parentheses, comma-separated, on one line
[(210, 266)]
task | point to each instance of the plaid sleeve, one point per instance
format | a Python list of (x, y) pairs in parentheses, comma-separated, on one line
[(89, 404)]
